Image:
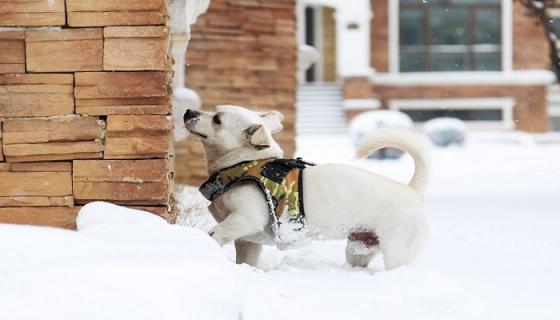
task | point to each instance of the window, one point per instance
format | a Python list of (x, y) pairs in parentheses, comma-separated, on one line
[(449, 35)]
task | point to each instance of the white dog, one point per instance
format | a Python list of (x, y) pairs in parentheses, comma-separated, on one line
[(339, 199)]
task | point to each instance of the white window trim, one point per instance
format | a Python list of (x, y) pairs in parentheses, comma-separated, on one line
[(361, 104), (507, 36), (465, 78), (504, 104)]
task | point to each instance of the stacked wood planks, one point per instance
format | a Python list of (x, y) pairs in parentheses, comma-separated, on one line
[(84, 108)]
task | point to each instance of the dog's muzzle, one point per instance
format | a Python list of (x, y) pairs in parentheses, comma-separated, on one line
[(191, 114), (191, 117)]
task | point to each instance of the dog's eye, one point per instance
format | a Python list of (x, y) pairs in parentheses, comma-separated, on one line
[(216, 119)]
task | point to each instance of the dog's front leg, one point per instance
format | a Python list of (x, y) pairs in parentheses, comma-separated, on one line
[(247, 252), (236, 225)]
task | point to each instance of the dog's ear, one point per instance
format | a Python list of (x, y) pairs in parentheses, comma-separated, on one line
[(273, 121), (257, 137)]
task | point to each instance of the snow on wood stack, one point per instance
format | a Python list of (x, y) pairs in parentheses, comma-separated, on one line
[(84, 108), (242, 52)]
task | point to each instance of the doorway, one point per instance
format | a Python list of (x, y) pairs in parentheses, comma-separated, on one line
[(320, 33)]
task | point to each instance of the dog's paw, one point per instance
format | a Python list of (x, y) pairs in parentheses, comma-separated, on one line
[(214, 233)]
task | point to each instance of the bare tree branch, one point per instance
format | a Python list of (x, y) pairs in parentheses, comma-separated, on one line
[(539, 9)]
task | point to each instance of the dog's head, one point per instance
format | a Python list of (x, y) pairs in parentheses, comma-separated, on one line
[(231, 128)]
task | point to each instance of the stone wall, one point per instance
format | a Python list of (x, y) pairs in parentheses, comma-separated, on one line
[(84, 108), (241, 52)]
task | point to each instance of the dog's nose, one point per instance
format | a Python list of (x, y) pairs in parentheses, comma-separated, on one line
[(190, 114)]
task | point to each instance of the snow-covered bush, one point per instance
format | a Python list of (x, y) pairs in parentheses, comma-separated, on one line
[(444, 132), (193, 209), (367, 122)]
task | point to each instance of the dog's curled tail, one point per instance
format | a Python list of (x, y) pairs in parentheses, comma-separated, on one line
[(406, 140)]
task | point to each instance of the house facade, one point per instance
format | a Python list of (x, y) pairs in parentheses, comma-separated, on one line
[(484, 61)]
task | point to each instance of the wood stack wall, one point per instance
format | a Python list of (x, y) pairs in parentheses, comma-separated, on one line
[(245, 53), (84, 108)]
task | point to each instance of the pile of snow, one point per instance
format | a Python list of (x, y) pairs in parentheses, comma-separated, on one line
[(366, 122), (445, 131), (192, 208), (121, 264)]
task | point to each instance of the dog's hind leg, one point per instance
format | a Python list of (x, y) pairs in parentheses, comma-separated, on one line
[(247, 252), (361, 248)]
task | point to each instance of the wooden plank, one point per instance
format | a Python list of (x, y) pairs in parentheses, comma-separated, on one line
[(36, 79), (157, 105), (57, 138), (60, 50), (115, 5), (116, 18), (136, 171), (60, 217), (47, 88), (116, 12), (55, 148), (12, 34), (12, 68), (70, 128), (32, 6), (12, 51), (160, 211), (141, 125), (136, 32), (14, 184), (136, 54), (136, 48), (124, 109), (1, 144), (138, 147), (30, 95), (105, 93), (57, 157), (32, 13), (96, 85), (134, 137), (140, 182), (67, 201), (53, 217), (32, 19), (36, 167), (122, 192), (55, 34)]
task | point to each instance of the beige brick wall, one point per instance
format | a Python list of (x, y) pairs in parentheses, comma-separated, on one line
[(84, 112), (380, 35), (530, 46), (241, 52)]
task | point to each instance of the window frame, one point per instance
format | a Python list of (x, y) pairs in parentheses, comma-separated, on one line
[(506, 34), (427, 48)]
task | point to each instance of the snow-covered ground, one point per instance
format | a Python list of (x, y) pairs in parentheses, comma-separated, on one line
[(493, 253)]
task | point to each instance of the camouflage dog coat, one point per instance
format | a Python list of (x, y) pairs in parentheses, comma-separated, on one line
[(281, 181)]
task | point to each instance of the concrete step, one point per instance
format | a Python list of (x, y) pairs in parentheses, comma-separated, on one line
[(319, 108), (320, 97)]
